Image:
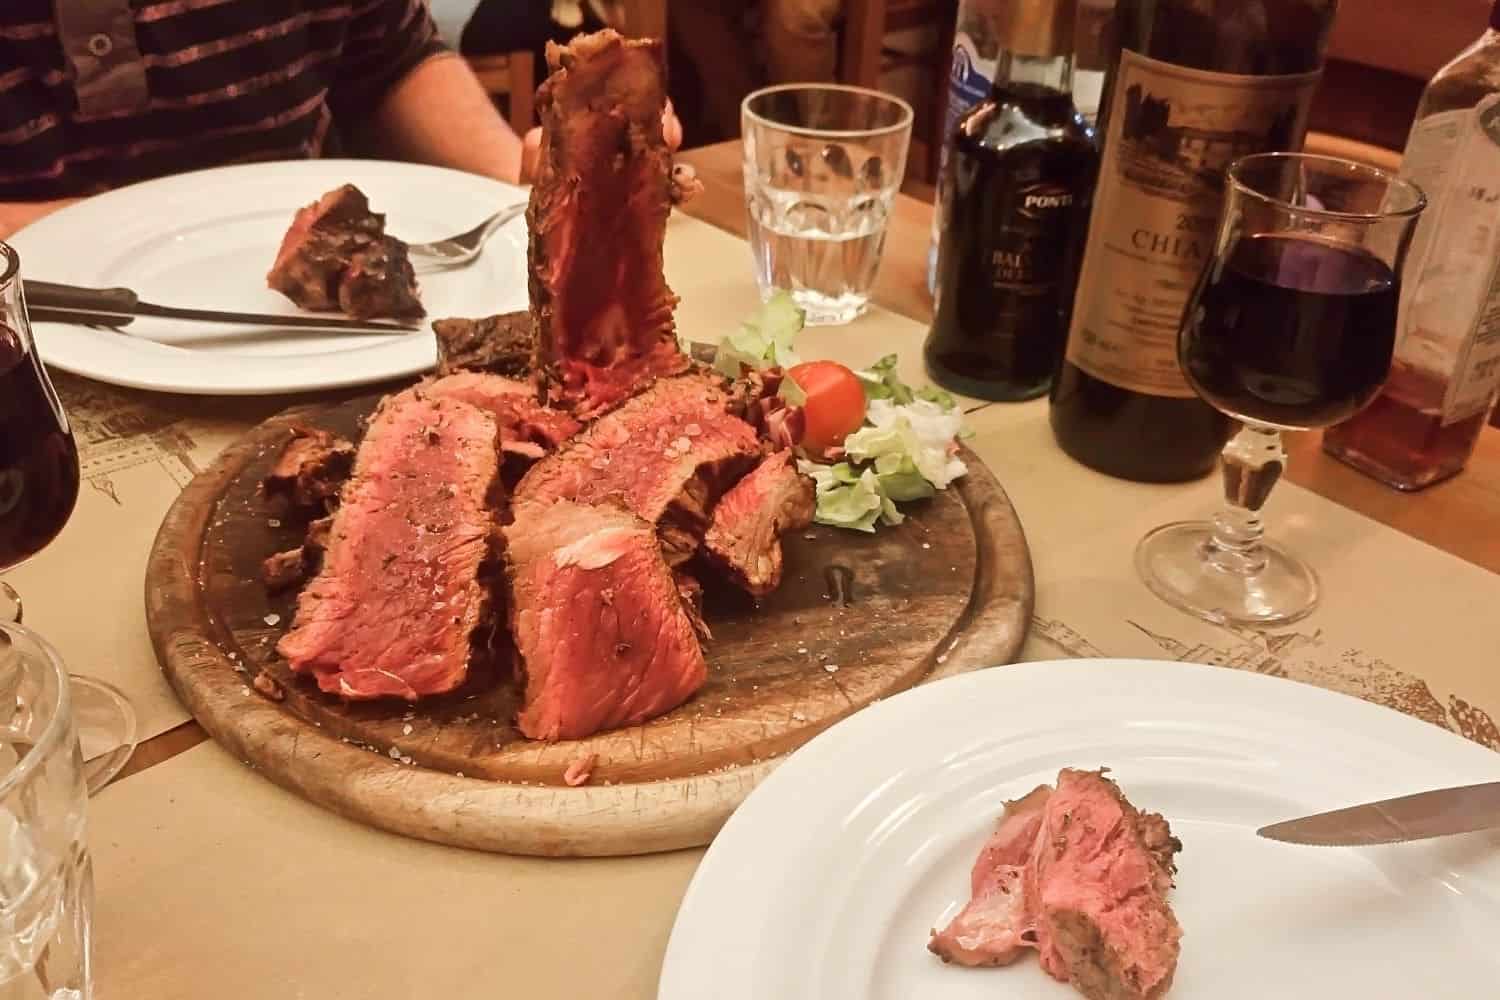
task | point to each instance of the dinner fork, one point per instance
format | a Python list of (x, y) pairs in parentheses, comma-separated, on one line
[(456, 251)]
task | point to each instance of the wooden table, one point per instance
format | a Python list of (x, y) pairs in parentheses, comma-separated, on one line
[(1459, 517)]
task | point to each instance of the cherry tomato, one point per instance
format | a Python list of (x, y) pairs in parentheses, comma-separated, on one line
[(835, 404)]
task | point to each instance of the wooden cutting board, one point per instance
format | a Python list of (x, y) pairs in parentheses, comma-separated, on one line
[(857, 618)]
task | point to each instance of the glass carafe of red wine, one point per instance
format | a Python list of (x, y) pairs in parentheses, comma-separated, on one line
[(39, 476), (1291, 327)]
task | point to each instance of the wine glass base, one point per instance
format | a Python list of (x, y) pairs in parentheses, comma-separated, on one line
[(1174, 562), (106, 729)]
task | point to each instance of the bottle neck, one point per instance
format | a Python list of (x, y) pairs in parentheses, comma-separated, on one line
[(1052, 72)]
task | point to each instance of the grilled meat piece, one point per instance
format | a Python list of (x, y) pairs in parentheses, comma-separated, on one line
[(744, 535), (285, 569), (400, 602), (1082, 876), (664, 455), (311, 470), (598, 216), (503, 344), (336, 255), (997, 926), (1101, 873), (602, 630)]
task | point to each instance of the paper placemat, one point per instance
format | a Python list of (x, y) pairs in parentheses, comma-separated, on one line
[(213, 882)]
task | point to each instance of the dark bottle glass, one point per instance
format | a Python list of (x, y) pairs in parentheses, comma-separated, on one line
[(1019, 179), (1193, 85)]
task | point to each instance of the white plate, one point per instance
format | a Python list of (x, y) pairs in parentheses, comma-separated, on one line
[(206, 240), (826, 881)]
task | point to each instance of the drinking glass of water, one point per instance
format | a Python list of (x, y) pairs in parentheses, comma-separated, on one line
[(822, 165), (46, 882)]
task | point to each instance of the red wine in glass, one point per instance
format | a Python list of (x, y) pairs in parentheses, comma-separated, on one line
[(1291, 331), (38, 457)]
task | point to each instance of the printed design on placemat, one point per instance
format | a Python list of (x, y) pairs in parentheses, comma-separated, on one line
[(118, 430), (1306, 657)]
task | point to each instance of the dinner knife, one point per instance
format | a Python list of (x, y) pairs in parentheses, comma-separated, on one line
[(1438, 813), (116, 307)]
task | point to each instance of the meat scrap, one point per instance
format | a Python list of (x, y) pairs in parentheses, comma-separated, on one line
[(1082, 876), (400, 600), (603, 634), (503, 344), (597, 218), (336, 255), (285, 569), (744, 535), (311, 469)]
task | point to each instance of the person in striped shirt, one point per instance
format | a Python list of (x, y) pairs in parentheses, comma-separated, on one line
[(99, 93)]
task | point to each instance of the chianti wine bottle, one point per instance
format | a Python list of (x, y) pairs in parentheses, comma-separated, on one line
[(1194, 85)]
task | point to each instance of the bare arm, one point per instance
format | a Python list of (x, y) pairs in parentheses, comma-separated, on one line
[(15, 214), (438, 113)]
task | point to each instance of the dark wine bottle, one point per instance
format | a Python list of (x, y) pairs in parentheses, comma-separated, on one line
[(1018, 181), (1194, 85)]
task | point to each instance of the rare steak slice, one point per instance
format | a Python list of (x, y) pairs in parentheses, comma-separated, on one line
[(503, 344), (311, 469), (1099, 877), (664, 455), (744, 535), (399, 599), (997, 925), (602, 629), (598, 217), (336, 255), (526, 427)]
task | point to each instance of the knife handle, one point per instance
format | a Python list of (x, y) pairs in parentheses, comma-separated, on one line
[(46, 314), (50, 295)]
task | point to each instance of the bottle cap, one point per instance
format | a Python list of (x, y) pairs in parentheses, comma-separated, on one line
[(1038, 28)]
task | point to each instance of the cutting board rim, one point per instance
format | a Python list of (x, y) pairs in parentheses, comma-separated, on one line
[(543, 820)]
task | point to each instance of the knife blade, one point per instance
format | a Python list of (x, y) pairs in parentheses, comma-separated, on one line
[(116, 307), (1439, 813)]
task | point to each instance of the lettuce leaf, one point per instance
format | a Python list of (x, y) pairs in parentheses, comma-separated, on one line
[(847, 498), (765, 339), (920, 433)]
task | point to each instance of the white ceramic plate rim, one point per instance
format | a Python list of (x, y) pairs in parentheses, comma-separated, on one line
[(113, 223), (796, 824)]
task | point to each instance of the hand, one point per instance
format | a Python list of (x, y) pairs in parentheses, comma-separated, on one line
[(671, 130)]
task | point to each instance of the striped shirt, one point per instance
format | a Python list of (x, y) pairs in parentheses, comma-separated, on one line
[(98, 93)]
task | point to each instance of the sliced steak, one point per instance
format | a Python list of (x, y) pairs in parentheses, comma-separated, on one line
[(526, 426), (602, 630), (598, 217), (396, 608), (379, 280), (504, 344), (744, 535), (996, 925), (1099, 877), (664, 455), (336, 255)]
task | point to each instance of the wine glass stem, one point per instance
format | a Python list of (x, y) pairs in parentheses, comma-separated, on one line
[(1253, 461)]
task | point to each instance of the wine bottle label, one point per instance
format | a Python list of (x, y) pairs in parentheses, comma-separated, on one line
[(1450, 304), (1171, 133)]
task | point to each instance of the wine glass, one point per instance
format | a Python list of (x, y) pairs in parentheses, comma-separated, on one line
[(39, 476), (1291, 327)]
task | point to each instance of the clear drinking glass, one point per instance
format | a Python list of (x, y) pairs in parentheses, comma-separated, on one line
[(1291, 327), (39, 478), (46, 880), (822, 166)]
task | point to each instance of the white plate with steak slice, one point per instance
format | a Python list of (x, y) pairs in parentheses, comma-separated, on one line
[(206, 240), (830, 879)]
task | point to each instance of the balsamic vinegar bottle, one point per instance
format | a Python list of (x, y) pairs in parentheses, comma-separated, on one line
[(1018, 179), (1194, 85)]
